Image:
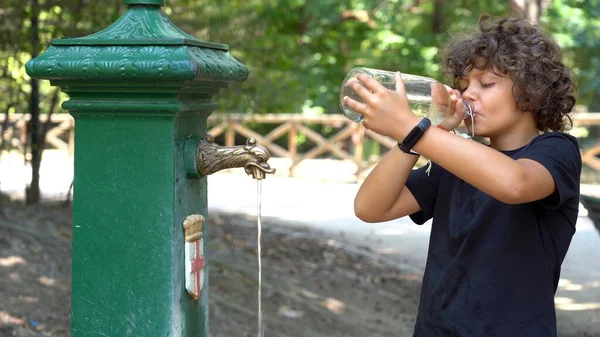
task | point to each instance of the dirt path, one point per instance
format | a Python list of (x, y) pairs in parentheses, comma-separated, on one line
[(314, 283), (311, 285)]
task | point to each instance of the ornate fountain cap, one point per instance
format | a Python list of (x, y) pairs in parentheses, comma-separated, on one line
[(145, 2), (141, 53)]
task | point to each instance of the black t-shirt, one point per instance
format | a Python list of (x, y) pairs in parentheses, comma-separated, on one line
[(493, 268)]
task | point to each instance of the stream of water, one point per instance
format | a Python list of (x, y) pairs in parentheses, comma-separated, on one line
[(259, 245)]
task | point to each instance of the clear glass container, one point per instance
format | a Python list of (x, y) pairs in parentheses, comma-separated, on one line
[(426, 96)]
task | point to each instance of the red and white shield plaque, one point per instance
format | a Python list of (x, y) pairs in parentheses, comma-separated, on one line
[(194, 255)]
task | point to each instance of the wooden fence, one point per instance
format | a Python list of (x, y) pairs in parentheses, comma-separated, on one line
[(346, 143)]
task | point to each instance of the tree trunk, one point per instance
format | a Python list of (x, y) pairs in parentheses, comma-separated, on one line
[(32, 192), (4, 127), (438, 17), (529, 9)]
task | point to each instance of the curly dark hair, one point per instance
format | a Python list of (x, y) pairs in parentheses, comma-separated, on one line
[(543, 84)]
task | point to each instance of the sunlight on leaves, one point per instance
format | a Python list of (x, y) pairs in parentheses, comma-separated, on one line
[(387, 38), (309, 110), (580, 132)]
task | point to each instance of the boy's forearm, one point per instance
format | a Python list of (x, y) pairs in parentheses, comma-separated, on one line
[(381, 189), (483, 167)]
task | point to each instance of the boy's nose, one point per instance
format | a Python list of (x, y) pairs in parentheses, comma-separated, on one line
[(469, 95)]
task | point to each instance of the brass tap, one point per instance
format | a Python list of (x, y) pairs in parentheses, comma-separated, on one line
[(253, 158)]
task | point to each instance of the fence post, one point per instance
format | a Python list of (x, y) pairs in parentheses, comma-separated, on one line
[(138, 90)]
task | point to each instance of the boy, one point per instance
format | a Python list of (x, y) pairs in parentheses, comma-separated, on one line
[(503, 214)]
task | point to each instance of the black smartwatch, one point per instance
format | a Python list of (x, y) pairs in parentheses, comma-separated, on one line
[(413, 136)]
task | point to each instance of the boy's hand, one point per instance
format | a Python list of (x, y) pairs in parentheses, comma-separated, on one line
[(385, 112), (456, 110)]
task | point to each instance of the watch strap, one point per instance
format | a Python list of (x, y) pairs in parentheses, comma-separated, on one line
[(413, 136)]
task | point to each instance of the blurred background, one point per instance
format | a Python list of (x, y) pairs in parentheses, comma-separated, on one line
[(326, 273)]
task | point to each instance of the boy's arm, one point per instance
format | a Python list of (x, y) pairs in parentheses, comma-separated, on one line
[(501, 177), (383, 196)]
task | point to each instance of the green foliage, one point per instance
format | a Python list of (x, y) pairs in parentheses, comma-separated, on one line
[(57, 18), (298, 51), (575, 25)]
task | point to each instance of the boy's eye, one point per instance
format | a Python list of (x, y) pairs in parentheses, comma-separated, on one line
[(487, 85)]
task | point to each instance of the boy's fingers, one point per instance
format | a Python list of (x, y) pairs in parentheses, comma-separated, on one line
[(450, 90), (371, 84), (458, 94), (361, 90), (399, 83), (461, 110), (454, 94), (354, 105)]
